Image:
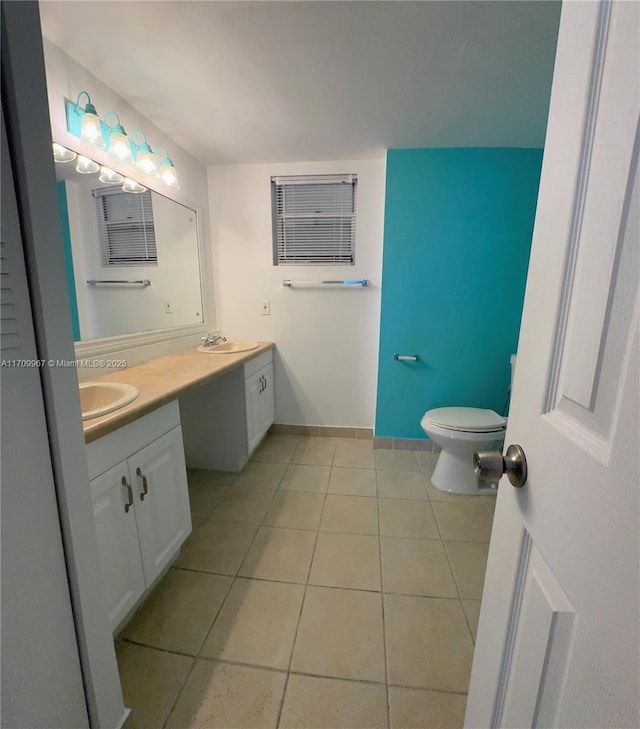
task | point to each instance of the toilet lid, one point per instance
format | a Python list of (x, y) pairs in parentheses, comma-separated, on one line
[(472, 420)]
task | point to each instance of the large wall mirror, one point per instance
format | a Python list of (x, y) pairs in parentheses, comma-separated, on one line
[(132, 258)]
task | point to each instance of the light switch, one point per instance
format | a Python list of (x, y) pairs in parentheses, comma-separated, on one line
[(265, 307)]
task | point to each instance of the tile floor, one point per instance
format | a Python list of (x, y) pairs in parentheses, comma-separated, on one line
[(327, 585)]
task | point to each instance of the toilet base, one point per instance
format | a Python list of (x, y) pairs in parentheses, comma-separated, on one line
[(454, 474)]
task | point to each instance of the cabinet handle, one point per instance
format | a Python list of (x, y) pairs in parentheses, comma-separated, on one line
[(145, 485), (129, 504), (264, 383)]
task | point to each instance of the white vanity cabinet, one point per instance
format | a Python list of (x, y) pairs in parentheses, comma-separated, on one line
[(225, 419), (140, 504), (259, 399)]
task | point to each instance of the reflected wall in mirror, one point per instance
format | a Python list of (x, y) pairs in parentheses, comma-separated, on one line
[(113, 236)]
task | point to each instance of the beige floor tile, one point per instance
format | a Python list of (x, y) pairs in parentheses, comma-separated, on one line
[(427, 461), (312, 702), (280, 554), (472, 611), (353, 481), (242, 505), (389, 460), (419, 709), (203, 477), (346, 560), (223, 696), (340, 635), (295, 510), (305, 478), (404, 518), (276, 449), (468, 563), (357, 454), (401, 485), (178, 613), (466, 521), (217, 547), (428, 643), (315, 451), (352, 514), (204, 497), (261, 475), (257, 624), (150, 701), (416, 567), (435, 494)]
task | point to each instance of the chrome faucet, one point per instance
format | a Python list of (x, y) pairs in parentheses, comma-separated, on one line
[(212, 339)]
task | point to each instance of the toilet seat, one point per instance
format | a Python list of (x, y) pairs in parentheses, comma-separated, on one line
[(466, 420)]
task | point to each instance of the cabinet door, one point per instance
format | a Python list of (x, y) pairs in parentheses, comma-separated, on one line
[(253, 404), (117, 541), (267, 400), (162, 514)]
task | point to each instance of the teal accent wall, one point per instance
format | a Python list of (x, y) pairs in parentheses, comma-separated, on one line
[(68, 259), (457, 237)]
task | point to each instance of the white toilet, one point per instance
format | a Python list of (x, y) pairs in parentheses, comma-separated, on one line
[(460, 432)]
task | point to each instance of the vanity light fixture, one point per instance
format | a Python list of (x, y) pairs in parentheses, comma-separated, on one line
[(110, 177), (129, 185), (145, 161), (119, 147), (122, 149), (86, 166), (90, 126), (167, 172), (62, 154)]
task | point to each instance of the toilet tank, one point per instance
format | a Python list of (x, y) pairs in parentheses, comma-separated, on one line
[(513, 359)]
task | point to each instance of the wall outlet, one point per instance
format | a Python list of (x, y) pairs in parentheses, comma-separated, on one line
[(265, 307), (168, 309)]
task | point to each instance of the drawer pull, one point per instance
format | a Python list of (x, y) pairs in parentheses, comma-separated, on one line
[(129, 504), (145, 485)]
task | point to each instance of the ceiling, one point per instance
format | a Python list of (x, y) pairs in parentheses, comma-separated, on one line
[(245, 82)]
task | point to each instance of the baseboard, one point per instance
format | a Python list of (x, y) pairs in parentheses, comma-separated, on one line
[(406, 444), (321, 431)]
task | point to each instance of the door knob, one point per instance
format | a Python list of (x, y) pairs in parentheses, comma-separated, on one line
[(491, 465)]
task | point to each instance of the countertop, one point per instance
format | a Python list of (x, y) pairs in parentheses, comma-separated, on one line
[(162, 380)]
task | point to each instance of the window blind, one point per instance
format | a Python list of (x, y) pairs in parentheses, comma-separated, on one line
[(125, 228), (314, 220)]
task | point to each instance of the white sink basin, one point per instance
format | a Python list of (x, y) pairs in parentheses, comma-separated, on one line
[(229, 347), (100, 398)]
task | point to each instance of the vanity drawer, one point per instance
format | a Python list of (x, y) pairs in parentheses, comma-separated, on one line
[(104, 453), (257, 363)]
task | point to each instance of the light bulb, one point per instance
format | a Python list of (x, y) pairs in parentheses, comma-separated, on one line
[(129, 185), (91, 129), (119, 147), (146, 162), (86, 166), (110, 177), (62, 154), (167, 174)]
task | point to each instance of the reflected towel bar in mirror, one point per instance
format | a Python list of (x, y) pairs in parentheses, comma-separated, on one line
[(135, 282), (347, 282)]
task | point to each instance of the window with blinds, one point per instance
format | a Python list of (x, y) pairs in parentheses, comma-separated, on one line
[(125, 228), (314, 220)]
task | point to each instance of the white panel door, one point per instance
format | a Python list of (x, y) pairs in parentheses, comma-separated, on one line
[(162, 513), (113, 509), (558, 634)]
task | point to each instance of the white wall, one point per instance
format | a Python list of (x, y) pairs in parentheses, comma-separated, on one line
[(326, 339), (65, 79)]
